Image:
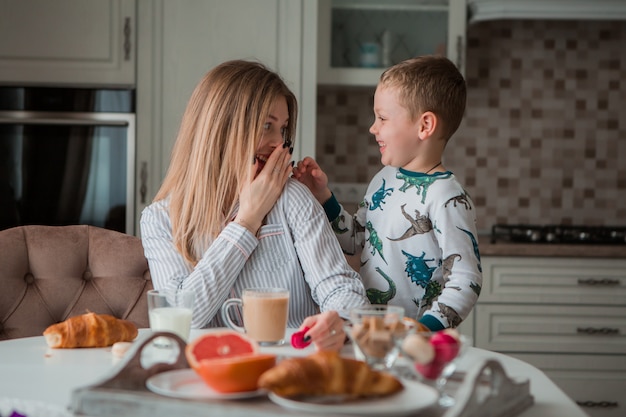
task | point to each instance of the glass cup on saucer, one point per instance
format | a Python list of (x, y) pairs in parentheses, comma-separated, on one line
[(377, 332)]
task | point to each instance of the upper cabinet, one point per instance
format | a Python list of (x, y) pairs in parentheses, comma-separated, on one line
[(480, 10), (358, 39), (67, 43)]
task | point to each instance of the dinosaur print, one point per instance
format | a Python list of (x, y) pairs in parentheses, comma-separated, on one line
[(476, 288), (460, 199), (452, 316), (374, 240), (432, 291), (475, 245), (378, 198), (421, 183), (377, 296), (417, 269), (447, 265), (335, 224), (419, 225)]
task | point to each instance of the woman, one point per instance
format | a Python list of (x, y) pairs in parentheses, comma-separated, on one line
[(228, 216)]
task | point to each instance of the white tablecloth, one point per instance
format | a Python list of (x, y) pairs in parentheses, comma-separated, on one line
[(33, 375)]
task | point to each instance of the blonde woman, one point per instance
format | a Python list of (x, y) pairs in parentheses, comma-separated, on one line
[(228, 216)]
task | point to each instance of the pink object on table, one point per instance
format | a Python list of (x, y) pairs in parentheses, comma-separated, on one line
[(298, 340)]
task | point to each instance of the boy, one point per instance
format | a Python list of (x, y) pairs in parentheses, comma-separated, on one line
[(416, 224)]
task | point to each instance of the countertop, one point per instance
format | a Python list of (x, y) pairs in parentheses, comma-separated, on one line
[(549, 249)]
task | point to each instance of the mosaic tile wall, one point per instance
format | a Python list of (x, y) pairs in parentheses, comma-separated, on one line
[(544, 136)]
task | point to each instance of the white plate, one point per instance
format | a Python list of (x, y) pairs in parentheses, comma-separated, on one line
[(186, 383), (414, 397)]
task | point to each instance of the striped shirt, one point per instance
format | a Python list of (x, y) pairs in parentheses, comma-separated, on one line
[(295, 249)]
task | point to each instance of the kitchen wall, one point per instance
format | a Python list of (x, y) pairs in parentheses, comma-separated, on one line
[(544, 136)]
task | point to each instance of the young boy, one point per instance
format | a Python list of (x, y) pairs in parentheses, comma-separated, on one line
[(416, 224)]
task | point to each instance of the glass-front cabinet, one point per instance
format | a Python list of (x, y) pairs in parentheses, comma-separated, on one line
[(357, 39)]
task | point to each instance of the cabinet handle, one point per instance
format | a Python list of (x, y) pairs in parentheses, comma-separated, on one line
[(598, 404), (595, 281), (143, 188), (127, 33), (593, 330)]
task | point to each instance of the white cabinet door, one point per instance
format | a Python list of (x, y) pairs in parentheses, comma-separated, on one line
[(595, 382), (181, 40), (67, 42), (401, 30)]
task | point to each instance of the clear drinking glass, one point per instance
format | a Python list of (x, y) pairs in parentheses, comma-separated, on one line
[(437, 372), (377, 332), (171, 310)]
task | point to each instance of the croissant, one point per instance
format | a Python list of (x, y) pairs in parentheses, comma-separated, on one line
[(90, 330), (327, 373)]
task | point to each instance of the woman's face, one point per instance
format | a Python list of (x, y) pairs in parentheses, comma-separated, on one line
[(273, 131)]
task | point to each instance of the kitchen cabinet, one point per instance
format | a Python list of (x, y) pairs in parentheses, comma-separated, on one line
[(563, 315), (390, 30), (180, 41), (68, 43), (481, 10)]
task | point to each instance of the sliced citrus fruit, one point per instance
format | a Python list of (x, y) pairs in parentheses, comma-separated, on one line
[(235, 373), (228, 361), (219, 344)]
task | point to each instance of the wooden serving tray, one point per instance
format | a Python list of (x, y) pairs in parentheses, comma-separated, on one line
[(485, 391)]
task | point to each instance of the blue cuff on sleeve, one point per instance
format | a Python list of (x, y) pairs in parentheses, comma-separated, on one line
[(332, 208), (431, 322)]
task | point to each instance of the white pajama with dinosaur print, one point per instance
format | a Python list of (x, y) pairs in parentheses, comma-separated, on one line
[(419, 244)]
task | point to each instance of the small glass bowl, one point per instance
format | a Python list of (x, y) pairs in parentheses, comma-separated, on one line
[(377, 332)]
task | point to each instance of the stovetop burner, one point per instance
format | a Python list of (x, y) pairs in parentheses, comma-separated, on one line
[(528, 233)]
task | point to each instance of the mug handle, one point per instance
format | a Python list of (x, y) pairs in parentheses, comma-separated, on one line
[(226, 317)]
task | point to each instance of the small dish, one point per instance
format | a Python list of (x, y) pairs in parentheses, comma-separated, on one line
[(185, 383)]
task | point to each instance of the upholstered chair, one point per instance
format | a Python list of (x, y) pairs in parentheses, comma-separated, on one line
[(51, 273)]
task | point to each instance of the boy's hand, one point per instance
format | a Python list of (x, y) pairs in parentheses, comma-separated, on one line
[(309, 173)]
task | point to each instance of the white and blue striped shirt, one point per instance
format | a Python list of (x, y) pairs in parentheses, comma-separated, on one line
[(295, 249)]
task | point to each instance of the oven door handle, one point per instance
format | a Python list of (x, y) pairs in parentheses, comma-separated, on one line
[(65, 118)]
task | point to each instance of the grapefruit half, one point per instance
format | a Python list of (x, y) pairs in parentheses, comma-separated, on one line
[(228, 361)]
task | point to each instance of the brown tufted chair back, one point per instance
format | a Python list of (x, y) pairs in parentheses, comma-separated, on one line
[(50, 273)]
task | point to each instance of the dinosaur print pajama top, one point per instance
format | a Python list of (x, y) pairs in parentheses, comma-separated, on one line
[(418, 242)]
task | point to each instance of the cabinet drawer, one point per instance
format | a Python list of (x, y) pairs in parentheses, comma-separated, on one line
[(532, 328), (596, 383), (554, 280)]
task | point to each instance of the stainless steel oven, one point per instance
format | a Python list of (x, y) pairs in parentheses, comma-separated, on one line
[(67, 156)]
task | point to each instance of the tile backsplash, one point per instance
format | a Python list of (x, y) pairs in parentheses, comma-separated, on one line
[(544, 134)]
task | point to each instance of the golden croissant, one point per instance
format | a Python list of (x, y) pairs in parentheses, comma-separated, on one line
[(90, 330), (327, 373)]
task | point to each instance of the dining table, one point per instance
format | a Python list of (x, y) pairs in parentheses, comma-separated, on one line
[(38, 381)]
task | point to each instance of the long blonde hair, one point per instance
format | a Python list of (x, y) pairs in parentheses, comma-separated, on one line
[(217, 141)]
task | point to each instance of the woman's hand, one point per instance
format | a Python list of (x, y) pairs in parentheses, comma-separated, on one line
[(325, 330), (260, 192)]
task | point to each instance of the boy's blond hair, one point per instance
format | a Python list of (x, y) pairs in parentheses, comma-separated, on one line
[(216, 144), (429, 83)]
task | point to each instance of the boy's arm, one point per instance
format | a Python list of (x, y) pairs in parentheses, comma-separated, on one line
[(309, 173), (458, 241), (348, 230)]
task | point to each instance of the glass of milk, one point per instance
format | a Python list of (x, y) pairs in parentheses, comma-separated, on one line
[(170, 310)]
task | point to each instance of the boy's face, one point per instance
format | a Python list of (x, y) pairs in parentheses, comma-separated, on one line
[(396, 134)]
